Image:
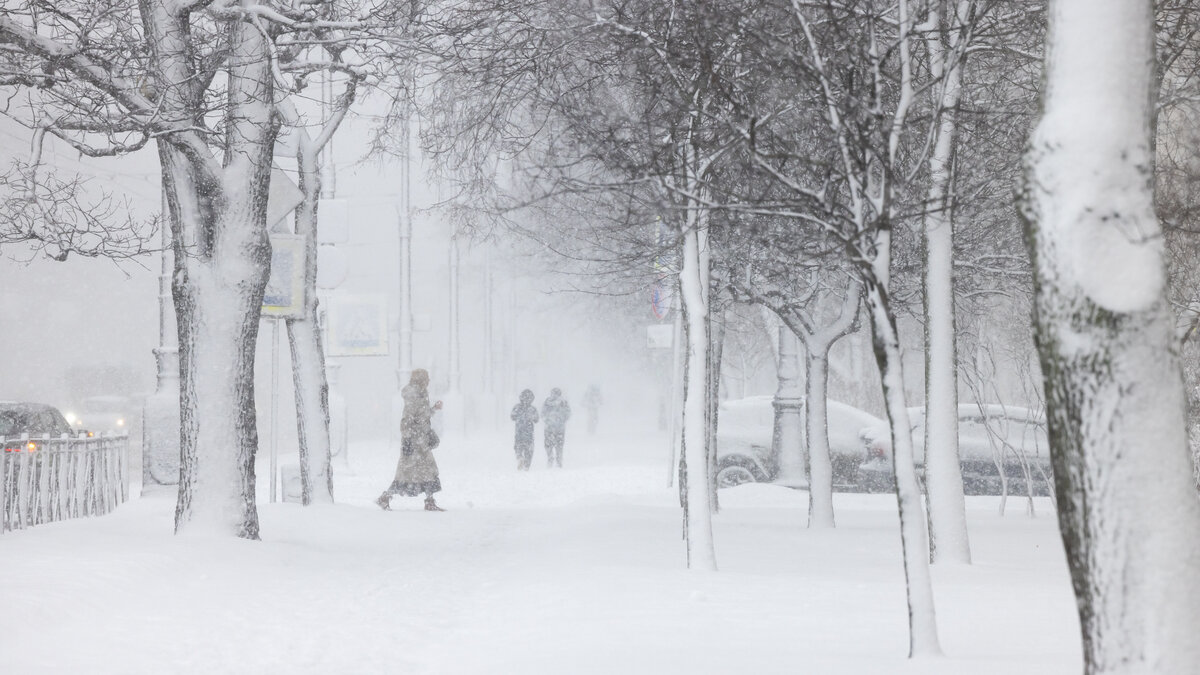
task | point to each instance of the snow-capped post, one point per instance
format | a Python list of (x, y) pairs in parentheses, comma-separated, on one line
[(946, 504), (304, 332), (789, 404), (1127, 505)]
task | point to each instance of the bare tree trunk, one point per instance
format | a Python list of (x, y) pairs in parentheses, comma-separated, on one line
[(697, 511), (222, 259), (304, 338), (923, 637), (717, 346), (1127, 505), (948, 540), (816, 430)]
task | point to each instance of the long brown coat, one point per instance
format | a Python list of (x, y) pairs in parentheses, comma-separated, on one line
[(417, 471)]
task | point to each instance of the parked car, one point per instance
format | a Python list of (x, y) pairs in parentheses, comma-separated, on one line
[(990, 437), (35, 419), (746, 428)]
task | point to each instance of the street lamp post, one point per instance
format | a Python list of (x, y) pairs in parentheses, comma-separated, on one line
[(160, 413)]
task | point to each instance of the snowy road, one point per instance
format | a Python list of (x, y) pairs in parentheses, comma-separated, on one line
[(571, 571)]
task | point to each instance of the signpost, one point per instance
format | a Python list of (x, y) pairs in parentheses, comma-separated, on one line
[(283, 299)]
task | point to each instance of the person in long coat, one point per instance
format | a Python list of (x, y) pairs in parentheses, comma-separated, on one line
[(555, 412), (525, 415), (417, 471)]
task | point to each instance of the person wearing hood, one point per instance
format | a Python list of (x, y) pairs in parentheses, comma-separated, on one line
[(417, 471), (525, 415), (555, 411)]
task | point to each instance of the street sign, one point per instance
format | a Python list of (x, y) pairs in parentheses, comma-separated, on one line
[(282, 199), (284, 296), (358, 325)]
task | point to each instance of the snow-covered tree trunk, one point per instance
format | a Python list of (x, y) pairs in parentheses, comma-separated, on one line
[(816, 429), (923, 638), (1127, 505), (694, 286), (943, 471), (717, 347), (304, 338), (222, 260)]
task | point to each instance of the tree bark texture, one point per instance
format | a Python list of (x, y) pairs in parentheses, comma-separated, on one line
[(222, 259), (1127, 505)]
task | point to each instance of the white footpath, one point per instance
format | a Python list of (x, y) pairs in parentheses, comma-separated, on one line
[(578, 570)]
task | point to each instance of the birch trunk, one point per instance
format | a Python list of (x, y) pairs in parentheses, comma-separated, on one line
[(1127, 506), (304, 338), (948, 540), (693, 277)]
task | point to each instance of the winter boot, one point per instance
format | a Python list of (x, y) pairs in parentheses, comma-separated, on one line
[(431, 505), (384, 502)]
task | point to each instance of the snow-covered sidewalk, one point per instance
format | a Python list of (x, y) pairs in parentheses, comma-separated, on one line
[(578, 570)]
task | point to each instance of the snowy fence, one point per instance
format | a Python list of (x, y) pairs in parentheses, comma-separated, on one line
[(47, 479)]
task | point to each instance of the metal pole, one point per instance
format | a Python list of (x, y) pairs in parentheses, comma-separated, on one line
[(405, 319), (455, 384), (274, 406), (676, 389)]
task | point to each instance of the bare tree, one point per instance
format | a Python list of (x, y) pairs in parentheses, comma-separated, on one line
[(203, 81)]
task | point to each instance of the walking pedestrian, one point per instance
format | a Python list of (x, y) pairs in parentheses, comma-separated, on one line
[(417, 471), (525, 415), (555, 411)]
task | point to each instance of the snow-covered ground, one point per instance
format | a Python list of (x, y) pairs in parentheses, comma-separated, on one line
[(578, 570)]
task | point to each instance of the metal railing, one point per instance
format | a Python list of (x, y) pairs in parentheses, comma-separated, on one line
[(47, 479)]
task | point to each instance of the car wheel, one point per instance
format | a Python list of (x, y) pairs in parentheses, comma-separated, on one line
[(731, 476)]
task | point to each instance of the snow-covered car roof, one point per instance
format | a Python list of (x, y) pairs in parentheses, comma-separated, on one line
[(984, 429), (751, 421)]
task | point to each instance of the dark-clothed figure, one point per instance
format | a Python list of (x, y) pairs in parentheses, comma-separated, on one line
[(525, 415), (417, 471), (555, 411), (592, 400)]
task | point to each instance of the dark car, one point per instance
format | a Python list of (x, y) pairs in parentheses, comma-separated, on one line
[(1002, 450), (37, 420)]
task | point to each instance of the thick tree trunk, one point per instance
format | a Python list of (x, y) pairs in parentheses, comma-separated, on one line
[(816, 431), (923, 638), (222, 260), (948, 540), (694, 275), (1127, 505), (304, 337)]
